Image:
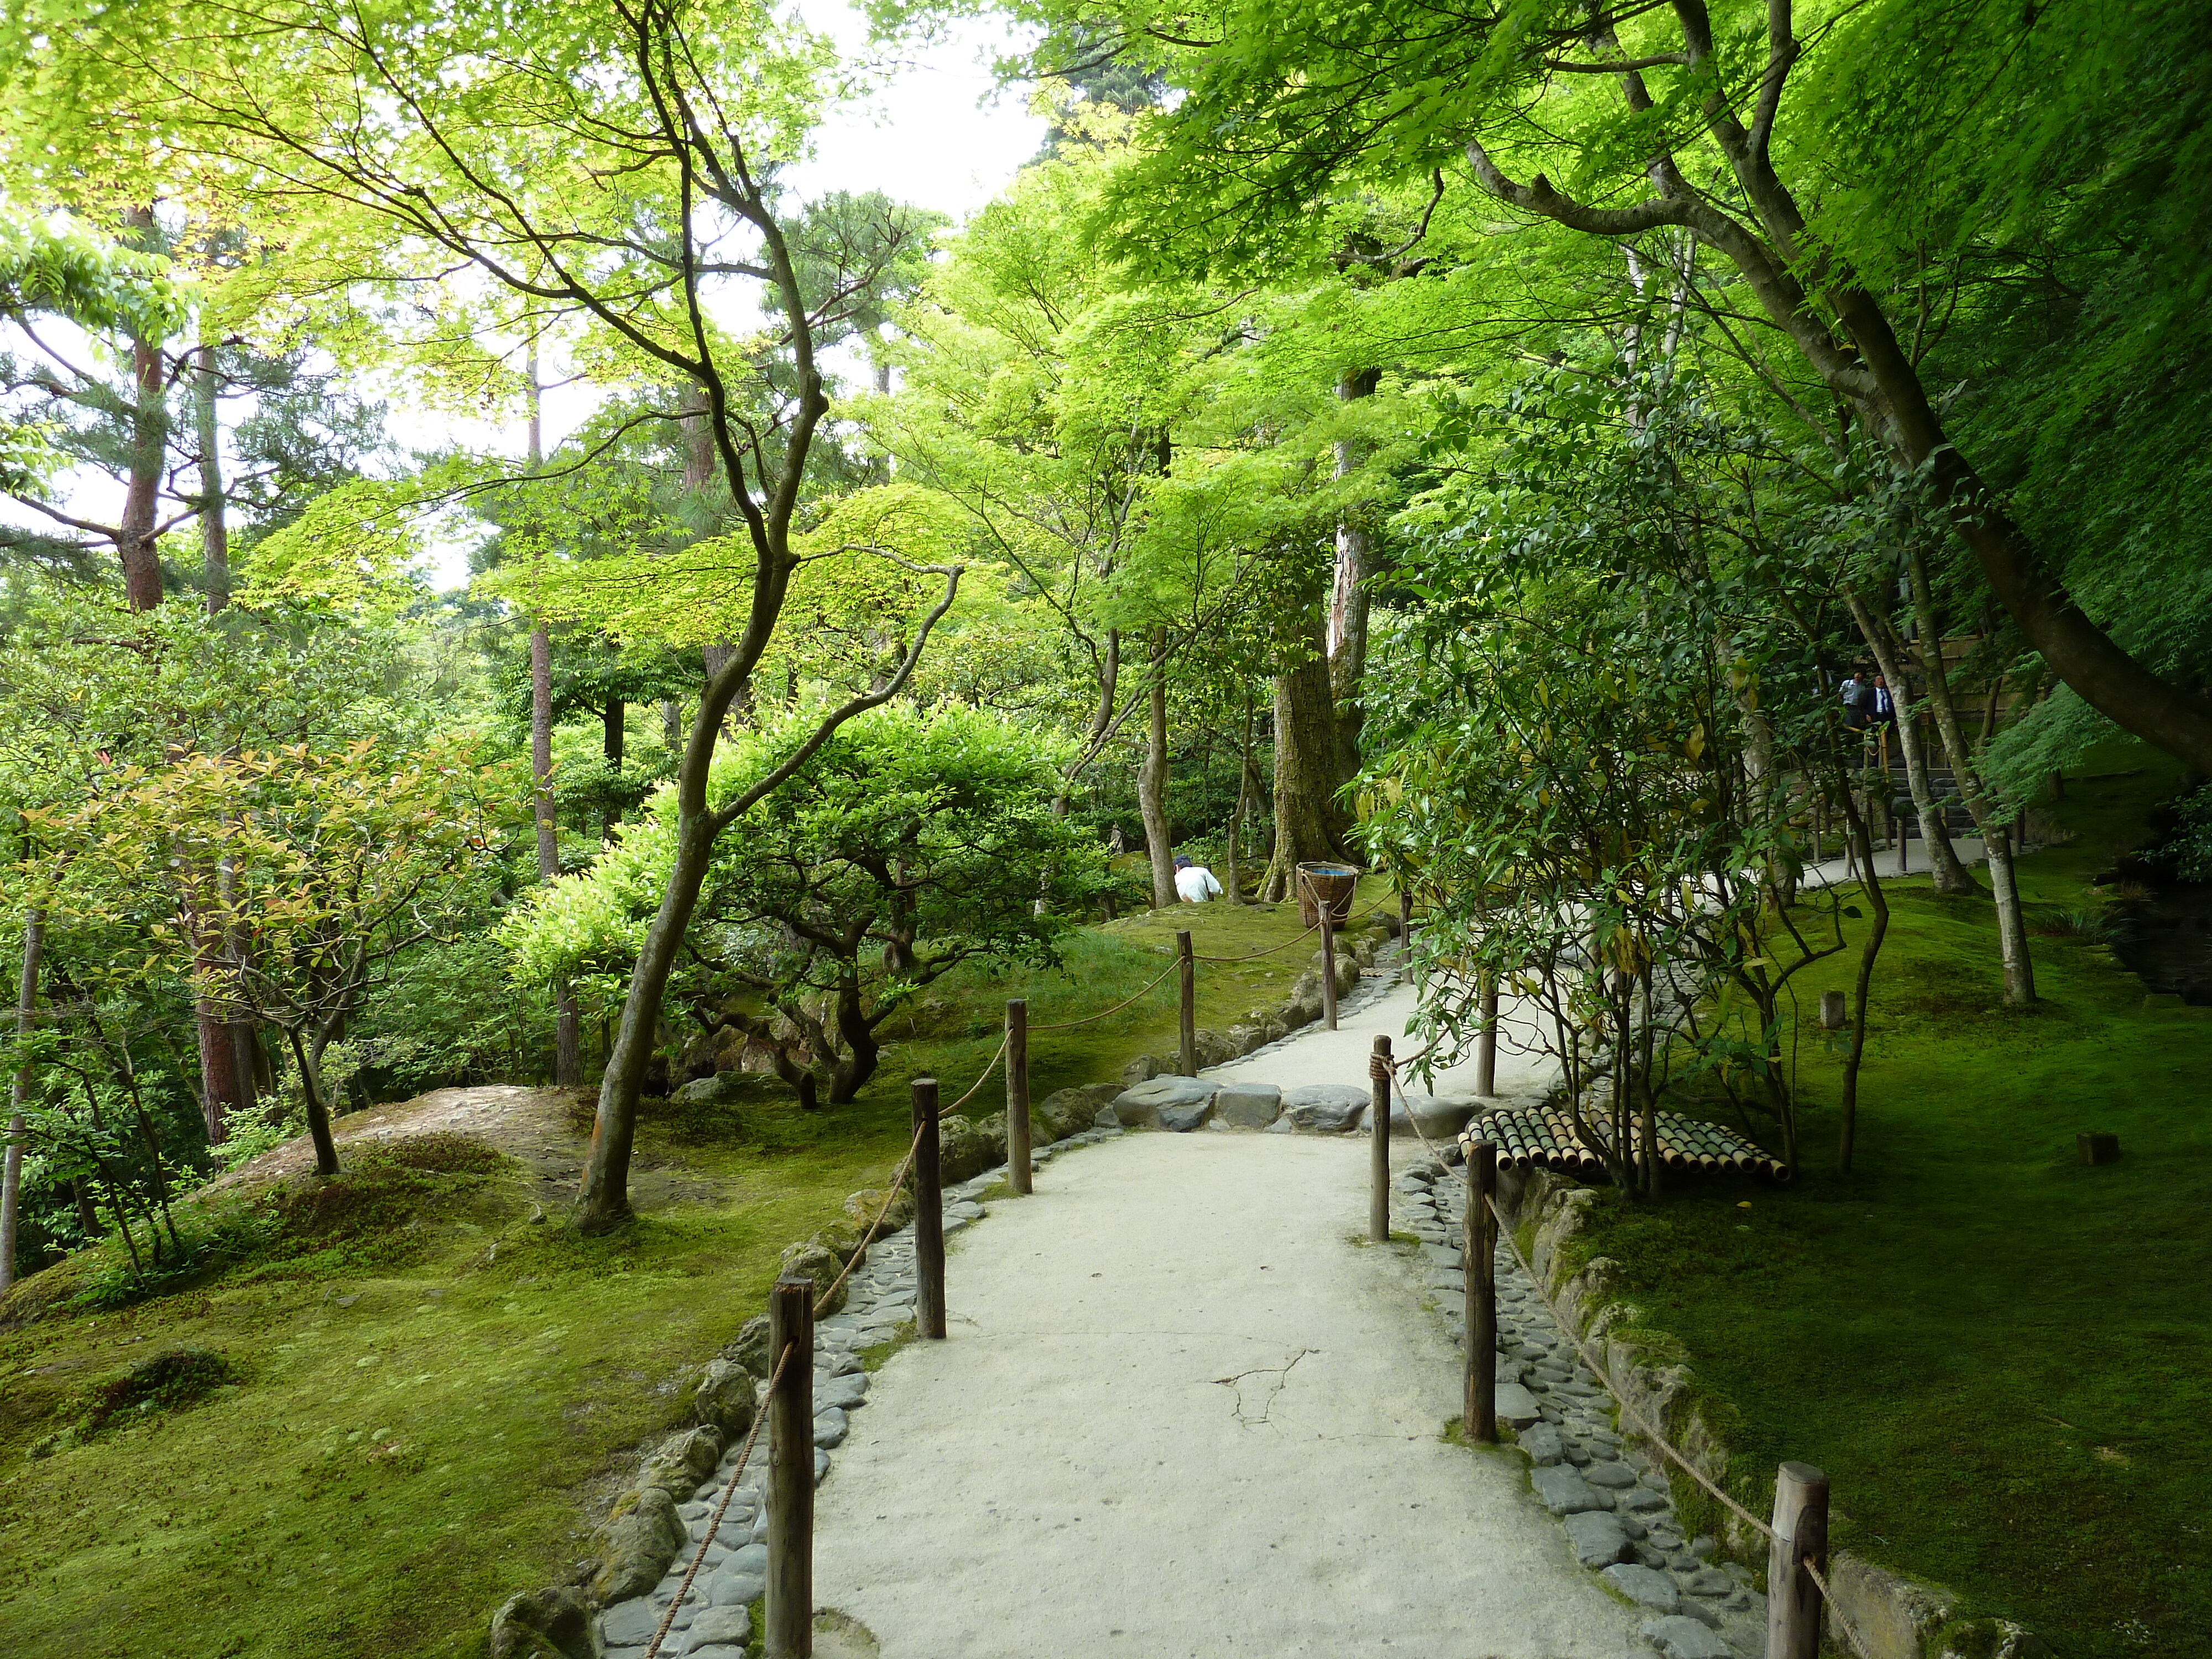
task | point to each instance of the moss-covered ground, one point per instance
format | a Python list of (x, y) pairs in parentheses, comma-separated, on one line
[(429, 1379), (2002, 1357)]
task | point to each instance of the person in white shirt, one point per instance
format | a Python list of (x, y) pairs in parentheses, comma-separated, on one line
[(1194, 883)]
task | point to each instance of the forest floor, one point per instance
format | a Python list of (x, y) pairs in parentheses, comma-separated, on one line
[(2002, 1357), (430, 1382)]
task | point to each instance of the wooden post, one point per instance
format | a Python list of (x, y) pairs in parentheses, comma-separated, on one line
[(1479, 1266), (1800, 1535), (790, 1613), (928, 1216), (1486, 1047), (1186, 975), (2096, 1146), (1018, 1094), (1379, 1159), (1327, 960), (1405, 918)]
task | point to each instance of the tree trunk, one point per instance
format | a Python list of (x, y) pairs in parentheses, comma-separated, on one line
[(611, 729), (1862, 844), (568, 1035), (1241, 814), (1306, 756), (1153, 778), (1951, 876), (1871, 370), (2012, 925), (135, 542), (319, 1111), (1348, 600), (19, 1094), (214, 521)]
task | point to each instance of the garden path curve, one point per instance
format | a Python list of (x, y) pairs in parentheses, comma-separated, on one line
[(1182, 1409)]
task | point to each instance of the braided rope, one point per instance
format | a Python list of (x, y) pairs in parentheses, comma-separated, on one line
[(821, 1303), (989, 1067), (1065, 1024)]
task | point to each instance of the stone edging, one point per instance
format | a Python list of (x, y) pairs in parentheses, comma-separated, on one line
[(1895, 1617)]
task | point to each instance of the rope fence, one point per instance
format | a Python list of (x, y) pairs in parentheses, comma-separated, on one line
[(788, 1397), (1796, 1633)]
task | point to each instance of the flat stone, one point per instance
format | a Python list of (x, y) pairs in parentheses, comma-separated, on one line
[(1248, 1105), (1618, 1476), (1442, 1255), (1183, 1116), (1681, 1637), (732, 1624), (845, 1390), (1437, 1117), (1515, 1404), (1562, 1491), (1645, 1586), (633, 1620), (1647, 1557), (1542, 1442), (1704, 1547), (1640, 1500), (1597, 1538), (1324, 1108), (831, 1427), (1707, 1581), (1143, 1103)]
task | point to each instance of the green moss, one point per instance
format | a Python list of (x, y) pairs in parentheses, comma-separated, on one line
[(434, 1388), (2000, 1356)]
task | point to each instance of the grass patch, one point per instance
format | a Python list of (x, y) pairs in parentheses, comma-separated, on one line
[(432, 1387), (2000, 1356)]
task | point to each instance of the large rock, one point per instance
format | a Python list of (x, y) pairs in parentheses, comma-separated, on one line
[(679, 1463), (642, 1539), (1562, 1490), (1142, 1104), (1214, 1048), (963, 1150), (723, 1089), (865, 1205), (1439, 1117), (1069, 1111), (1677, 1638), (749, 1347), (732, 1626), (1598, 1537), (1248, 1105), (1895, 1613), (1645, 1586), (816, 1261), (722, 1399), (546, 1624), (1184, 1116), (1143, 1069), (1324, 1108)]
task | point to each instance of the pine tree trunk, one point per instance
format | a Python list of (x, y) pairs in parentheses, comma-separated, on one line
[(214, 521), (1307, 825), (19, 1094), (1152, 780), (1951, 876), (135, 542), (2012, 924)]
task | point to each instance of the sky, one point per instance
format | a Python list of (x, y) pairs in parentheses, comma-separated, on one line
[(934, 128)]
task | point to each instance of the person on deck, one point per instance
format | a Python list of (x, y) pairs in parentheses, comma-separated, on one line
[(1194, 883)]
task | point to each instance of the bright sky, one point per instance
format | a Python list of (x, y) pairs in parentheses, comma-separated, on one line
[(936, 130)]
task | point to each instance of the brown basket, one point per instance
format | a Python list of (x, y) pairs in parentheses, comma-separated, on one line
[(1326, 883)]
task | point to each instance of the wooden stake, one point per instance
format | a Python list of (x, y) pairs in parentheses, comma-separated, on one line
[(1405, 918), (1800, 1535), (1018, 1094), (1479, 1266), (1187, 974), (1486, 1047), (1327, 960), (1378, 1162), (928, 1216), (790, 1613)]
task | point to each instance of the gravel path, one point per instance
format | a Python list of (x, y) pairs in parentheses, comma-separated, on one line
[(1182, 1410)]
